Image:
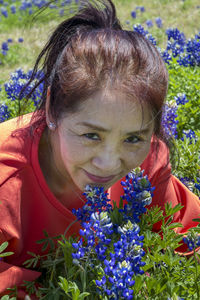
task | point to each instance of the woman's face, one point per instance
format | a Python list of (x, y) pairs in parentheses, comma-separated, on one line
[(104, 140)]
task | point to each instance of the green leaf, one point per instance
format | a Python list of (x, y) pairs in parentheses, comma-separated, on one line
[(67, 251), (3, 246), (175, 225), (63, 284), (196, 220), (83, 295), (169, 220), (6, 254)]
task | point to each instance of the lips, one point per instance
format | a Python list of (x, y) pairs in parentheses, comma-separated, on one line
[(99, 179)]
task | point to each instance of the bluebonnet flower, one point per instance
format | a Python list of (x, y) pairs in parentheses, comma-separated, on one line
[(138, 28), (138, 193), (191, 56), (187, 52), (4, 12), (81, 250), (13, 8), (17, 81), (61, 12), (141, 8), (124, 262), (181, 99), (28, 4), (4, 112), (166, 56), (95, 222), (52, 6), (96, 234), (159, 22), (4, 46), (119, 255), (189, 183), (169, 122), (176, 41), (133, 14), (4, 52), (191, 241), (149, 23), (9, 40), (20, 40), (190, 134), (176, 35), (97, 201)]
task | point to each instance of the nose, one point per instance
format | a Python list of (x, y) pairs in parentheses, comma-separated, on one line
[(108, 161)]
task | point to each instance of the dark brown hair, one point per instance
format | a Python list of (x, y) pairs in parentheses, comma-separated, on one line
[(90, 52)]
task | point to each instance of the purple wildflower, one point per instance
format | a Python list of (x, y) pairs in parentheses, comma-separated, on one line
[(149, 23), (133, 14), (159, 22)]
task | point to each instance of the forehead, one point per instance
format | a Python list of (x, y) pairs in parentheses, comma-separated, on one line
[(113, 109)]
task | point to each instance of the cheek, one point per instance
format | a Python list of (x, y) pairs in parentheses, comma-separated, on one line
[(136, 158), (73, 152)]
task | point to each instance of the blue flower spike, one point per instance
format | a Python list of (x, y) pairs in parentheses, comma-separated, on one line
[(119, 255)]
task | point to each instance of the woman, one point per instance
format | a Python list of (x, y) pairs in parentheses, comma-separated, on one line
[(99, 117)]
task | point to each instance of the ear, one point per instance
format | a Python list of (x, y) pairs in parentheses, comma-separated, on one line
[(49, 120)]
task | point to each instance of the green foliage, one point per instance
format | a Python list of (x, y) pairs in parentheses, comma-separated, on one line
[(22, 18), (71, 287), (167, 274), (187, 81), (13, 55), (186, 160)]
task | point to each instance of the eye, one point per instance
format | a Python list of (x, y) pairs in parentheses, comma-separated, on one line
[(133, 139), (92, 136)]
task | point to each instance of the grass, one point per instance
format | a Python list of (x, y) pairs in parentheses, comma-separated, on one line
[(35, 32)]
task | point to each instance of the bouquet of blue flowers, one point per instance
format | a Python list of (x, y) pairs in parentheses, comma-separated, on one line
[(110, 242), (117, 255)]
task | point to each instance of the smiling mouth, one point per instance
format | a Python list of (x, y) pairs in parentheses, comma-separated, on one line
[(99, 179)]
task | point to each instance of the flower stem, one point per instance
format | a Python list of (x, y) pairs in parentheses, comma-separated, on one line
[(70, 225)]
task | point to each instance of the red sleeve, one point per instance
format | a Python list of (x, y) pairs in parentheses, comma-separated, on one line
[(11, 276), (11, 273)]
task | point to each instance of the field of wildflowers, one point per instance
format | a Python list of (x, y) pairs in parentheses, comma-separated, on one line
[(115, 258)]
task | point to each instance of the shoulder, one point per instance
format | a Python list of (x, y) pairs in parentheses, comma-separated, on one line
[(16, 142)]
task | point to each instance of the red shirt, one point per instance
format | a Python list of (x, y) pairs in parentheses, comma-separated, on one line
[(28, 206)]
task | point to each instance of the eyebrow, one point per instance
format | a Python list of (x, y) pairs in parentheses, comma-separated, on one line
[(102, 129)]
